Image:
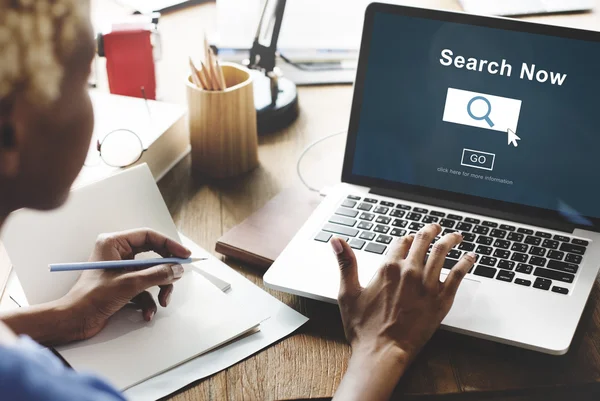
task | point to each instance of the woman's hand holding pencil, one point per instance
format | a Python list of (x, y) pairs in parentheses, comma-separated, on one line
[(210, 76)]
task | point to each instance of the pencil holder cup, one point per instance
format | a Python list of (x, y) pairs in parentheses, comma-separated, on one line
[(223, 130)]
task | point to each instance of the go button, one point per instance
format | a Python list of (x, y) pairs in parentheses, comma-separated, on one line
[(478, 159)]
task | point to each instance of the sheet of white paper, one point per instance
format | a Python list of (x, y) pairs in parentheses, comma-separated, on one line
[(307, 24), (35, 239), (130, 350), (284, 321)]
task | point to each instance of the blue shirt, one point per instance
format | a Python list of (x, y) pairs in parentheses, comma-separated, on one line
[(29, 372)]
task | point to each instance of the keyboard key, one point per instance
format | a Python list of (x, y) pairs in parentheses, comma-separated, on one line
[(414, 216), (353, 197), (369, 236), (502, 254), (507, 227), (454, 254), (398, 232), (344, 221), (400, 223), (537, 251), (420, 210), (524, 268), (356, 243), (437, 214), (505, 275), (447, 223), (342, 211), (464, 226), (489, 224), (537, 261), (384, 239), (520, 281), (561, 238), (573, 258), (551, 244), (563, 266), (385, 203), (484, 250), (533, 240), (543, 234), (498, 233), (454, 217), (379, 228), (481, 230), (560, 290), (542, 284), (472, 220), (466, 246), (371, 200), (375, 248), (557, 255), (502, 244), (554, 275), (515, 237), (323, 237), (576, 249), (335, 229), (485, 271), (580, 242), (365, 206), (349, 203), (487, 261), (364, 225), (397, 213), (430, 219), (367, 216), (506, 264), (448, 231), (381, 210), (468, 237), (519, 248), (525, 231), (342, 237), (403, 207), (519, 257), (416, 226), (482, 239), (383, 220)]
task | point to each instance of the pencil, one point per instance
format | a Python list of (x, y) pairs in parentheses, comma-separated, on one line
[(195, 75), (206, 75), (221, 75), (121, 264)]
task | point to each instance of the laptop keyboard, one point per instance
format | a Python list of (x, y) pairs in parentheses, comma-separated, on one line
[(505, 252)]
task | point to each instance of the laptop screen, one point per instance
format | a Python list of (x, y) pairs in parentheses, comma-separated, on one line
[(483, 112)]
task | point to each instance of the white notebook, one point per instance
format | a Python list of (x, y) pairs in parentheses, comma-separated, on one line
[(129, 350)]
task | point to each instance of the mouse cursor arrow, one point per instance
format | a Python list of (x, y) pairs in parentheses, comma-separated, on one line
[(513, 138)]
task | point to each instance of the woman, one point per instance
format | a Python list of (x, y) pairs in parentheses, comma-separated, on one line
[(46, 121)]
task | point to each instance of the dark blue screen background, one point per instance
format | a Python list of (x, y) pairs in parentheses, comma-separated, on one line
[(402, 138)]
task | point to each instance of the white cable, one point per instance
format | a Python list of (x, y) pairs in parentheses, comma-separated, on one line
[(305, 151)]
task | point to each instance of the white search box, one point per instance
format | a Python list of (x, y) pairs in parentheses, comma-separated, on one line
[(482, 110)]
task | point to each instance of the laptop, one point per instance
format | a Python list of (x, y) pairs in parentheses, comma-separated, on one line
[(489, 127)]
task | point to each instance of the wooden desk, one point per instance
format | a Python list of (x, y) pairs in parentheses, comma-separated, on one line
[(310, 364)]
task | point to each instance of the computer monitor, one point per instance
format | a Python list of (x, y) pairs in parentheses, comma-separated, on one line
[(501, 115)]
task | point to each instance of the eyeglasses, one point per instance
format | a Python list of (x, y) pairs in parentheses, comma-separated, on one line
[(119, 148)]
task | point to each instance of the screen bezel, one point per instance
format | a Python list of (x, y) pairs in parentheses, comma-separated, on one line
[(514, 209)]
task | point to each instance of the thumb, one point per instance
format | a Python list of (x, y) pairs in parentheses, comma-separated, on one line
[(349, 284), (153, 276)]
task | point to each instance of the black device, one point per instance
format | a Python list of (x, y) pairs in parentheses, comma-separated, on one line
[(275, 97)]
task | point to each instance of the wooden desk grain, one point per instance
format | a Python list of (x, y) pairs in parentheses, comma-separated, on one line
[(310, 363)]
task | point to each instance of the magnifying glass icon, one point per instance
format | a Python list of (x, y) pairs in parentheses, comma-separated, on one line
[(486, 115)]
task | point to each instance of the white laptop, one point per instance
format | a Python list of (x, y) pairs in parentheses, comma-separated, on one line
[(487, 126)]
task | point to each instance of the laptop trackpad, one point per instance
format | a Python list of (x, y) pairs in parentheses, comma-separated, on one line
[(462, 308)]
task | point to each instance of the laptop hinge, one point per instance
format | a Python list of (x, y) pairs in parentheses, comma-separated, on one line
[(518, 218)]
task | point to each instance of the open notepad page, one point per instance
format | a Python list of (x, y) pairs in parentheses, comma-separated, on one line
[(128, 351)]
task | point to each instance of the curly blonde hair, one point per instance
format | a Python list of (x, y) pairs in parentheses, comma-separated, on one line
[(36, 37)]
